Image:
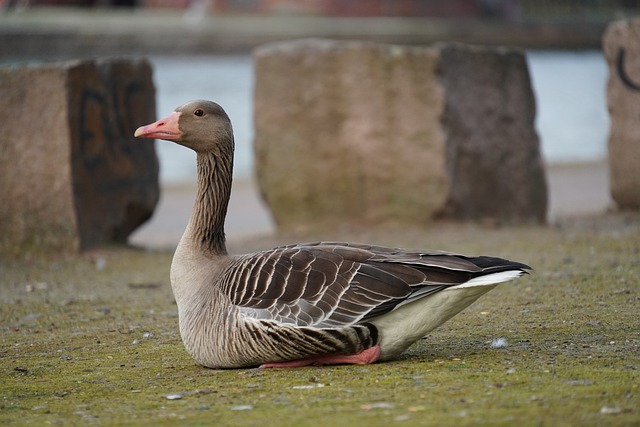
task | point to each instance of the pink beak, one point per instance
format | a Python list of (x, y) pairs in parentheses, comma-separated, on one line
[(166, 128)]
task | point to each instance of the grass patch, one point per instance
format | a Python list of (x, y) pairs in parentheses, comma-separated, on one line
[(93, 339)]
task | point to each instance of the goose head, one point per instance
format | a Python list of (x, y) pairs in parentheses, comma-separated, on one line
[(200, 125)]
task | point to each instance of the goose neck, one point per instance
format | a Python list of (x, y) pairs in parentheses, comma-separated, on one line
[(212, 199)]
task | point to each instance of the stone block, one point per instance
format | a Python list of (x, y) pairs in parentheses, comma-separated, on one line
[(71, 174), (348, 131), (494, 166), (364, 133), (621, 46)]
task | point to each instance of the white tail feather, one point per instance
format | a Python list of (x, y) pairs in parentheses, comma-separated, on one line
[(490, 279)]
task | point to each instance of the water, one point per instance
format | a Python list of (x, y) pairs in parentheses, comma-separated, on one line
[(570, 89), (227, 80), (572, 118)]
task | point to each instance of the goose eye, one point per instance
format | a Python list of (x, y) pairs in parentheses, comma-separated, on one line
[(199, 112)]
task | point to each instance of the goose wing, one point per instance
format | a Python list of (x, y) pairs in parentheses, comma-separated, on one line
[(337, 284)]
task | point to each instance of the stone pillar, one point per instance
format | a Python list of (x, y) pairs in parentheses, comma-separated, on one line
[(364, 133), (71, 174), (621, 46), (494, 164)]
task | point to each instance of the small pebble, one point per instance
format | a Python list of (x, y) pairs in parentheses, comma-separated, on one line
[(610, 410), (377, 405), (242, 408), (499, 343), (40, 286), (308, 386)]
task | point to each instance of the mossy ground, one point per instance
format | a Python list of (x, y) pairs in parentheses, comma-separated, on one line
[(93, 339)]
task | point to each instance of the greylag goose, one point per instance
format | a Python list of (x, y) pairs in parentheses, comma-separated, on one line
[(302, 304)]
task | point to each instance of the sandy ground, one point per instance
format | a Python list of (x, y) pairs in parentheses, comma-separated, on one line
[(574, 190)]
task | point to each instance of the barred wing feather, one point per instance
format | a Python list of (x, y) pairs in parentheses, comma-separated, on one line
[(338, 284)]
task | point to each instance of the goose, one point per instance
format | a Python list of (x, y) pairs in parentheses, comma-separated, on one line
[(319, 303)]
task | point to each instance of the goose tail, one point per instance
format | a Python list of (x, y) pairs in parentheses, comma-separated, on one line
[(494, 271)]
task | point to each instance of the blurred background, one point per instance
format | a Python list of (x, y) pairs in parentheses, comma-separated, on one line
[(202, 49)]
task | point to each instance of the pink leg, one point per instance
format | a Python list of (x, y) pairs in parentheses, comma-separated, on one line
[(365, 357)]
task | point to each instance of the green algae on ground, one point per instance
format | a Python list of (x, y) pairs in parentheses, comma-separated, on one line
[(93, 339)]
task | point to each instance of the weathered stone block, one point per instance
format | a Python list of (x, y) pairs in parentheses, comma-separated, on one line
[(353, 132), (348, 132), (494, 164), (71, 174), (621, 46)]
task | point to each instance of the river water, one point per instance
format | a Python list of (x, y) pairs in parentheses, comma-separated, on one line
[(570, 89)]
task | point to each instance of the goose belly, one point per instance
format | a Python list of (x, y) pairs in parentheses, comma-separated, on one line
[(402, 327)]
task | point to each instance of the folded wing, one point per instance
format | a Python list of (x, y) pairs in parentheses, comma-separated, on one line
[(330, 284)]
